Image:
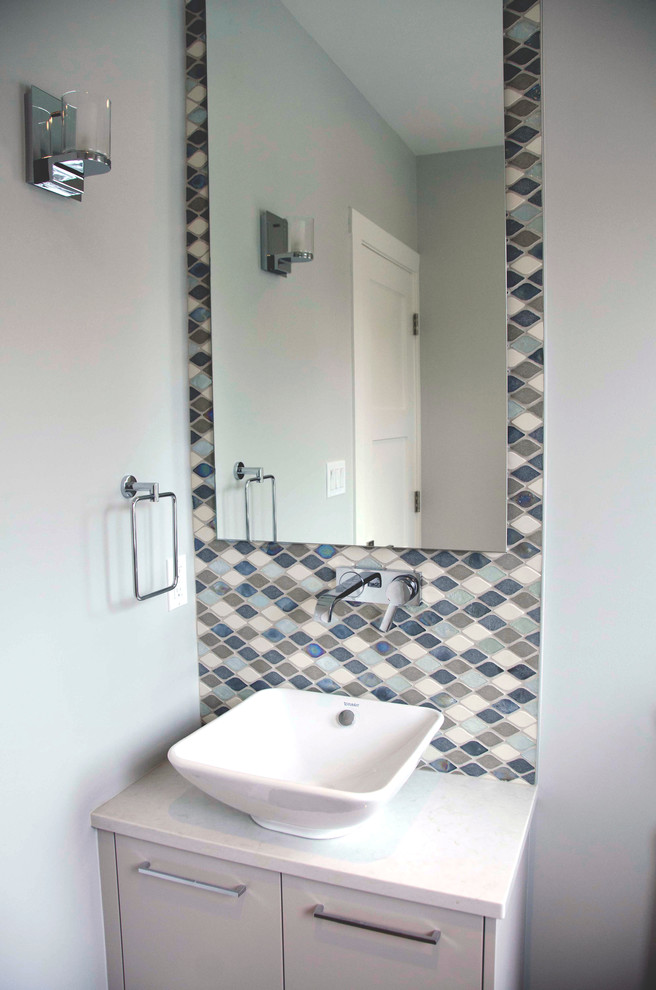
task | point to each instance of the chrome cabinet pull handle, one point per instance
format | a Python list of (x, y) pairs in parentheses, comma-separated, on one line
[(229, 891), (432, 937)]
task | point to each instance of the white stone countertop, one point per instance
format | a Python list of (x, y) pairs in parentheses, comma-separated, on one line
[(450, 841)]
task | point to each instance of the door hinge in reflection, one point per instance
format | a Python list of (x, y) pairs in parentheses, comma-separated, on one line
[(415, 324), (417, 501)]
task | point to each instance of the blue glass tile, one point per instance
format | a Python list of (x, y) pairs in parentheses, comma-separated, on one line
[(513, 279), (489, 716), (341, 631), (398, 661), (246, 611), (273, 656), (411, 628), (314, 650), (476, 609), (492, 622), (474, 748), (260, 601), (339, 653), (520, 765), (203, 470), (525, 474), (474, 656), (271, 549), (443, 744), (221, 588), (525, 291), (300, 682), (384, 693), (428, 641), (534, 639), (202, 669), (271, 592), (355, 621), (505, 706), (220, 629), (503, 773), (529, 777), (234, 642), (443, 676), (512, 537), (444, 559), (524, 186), (223, 692), (413, 557), (223, 672), (472, 769), (285, 560), (326, 574), (535, 614), (206, 555), (286, 604), (311, 562), (445, 608), (236, 683), (514, 434), (327, 664), (512, 253), (273, 678), (328, 685), (521, 671), (272, 571), (273, 635), (443, 766), (245, 568), (489, 669), (525, 318), (383, 647), (521, 696), (509, 587), (514, 383), (492, 598), (355, 666), (443, 700), (326, 551), (476, 560), (512, 227), (443, 654), (260, 685), (248, 653), (300, 638), (444, 583), (428, 618), (511, 147), (369, 679), (235, 664), (246, 590), (286, 626)]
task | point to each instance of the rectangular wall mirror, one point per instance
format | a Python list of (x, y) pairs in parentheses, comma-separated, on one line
[(368, 387)]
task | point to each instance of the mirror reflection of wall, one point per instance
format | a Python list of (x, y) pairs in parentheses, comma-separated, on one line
[(289, 132)]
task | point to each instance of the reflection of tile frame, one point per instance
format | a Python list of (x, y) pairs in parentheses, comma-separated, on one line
[(473, 647)]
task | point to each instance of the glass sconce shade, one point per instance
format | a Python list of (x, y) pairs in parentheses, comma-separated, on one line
[(86, 123), (301, 238)]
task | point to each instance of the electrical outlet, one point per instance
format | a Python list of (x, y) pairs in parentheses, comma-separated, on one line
[(178, 596)]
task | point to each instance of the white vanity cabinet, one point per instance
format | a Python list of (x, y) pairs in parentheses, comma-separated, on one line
[(430, 896), (189, 922), (335, 937)]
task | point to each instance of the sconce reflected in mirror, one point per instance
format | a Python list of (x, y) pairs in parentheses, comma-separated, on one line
[(285, 242), (67, 138)]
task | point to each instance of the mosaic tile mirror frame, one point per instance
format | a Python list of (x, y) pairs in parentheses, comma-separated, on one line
[(472, 648)]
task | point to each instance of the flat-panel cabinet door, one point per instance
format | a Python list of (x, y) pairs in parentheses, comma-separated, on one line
[(323, 953), (193, 927)]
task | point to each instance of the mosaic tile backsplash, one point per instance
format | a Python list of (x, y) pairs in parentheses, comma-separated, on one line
[(472, 648)]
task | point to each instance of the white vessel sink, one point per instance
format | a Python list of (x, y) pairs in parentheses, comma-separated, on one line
[(284, 758)]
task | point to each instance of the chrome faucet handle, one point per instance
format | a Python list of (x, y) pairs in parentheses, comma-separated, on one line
[(399, 592)]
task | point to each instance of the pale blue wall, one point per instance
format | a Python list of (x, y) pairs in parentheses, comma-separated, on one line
[(92, 385)]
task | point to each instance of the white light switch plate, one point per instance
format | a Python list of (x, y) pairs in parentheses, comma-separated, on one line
[(335, 478), (178, 596)]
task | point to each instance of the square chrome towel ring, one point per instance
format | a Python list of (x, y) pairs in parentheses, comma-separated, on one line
[(129, 488)]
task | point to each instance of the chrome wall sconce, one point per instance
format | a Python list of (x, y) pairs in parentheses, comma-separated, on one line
[(285, 242), (67, 138)]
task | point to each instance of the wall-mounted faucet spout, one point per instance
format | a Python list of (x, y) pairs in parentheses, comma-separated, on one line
[(350, 586)]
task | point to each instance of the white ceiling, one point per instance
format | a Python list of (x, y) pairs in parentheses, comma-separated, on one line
[(433, 69)]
